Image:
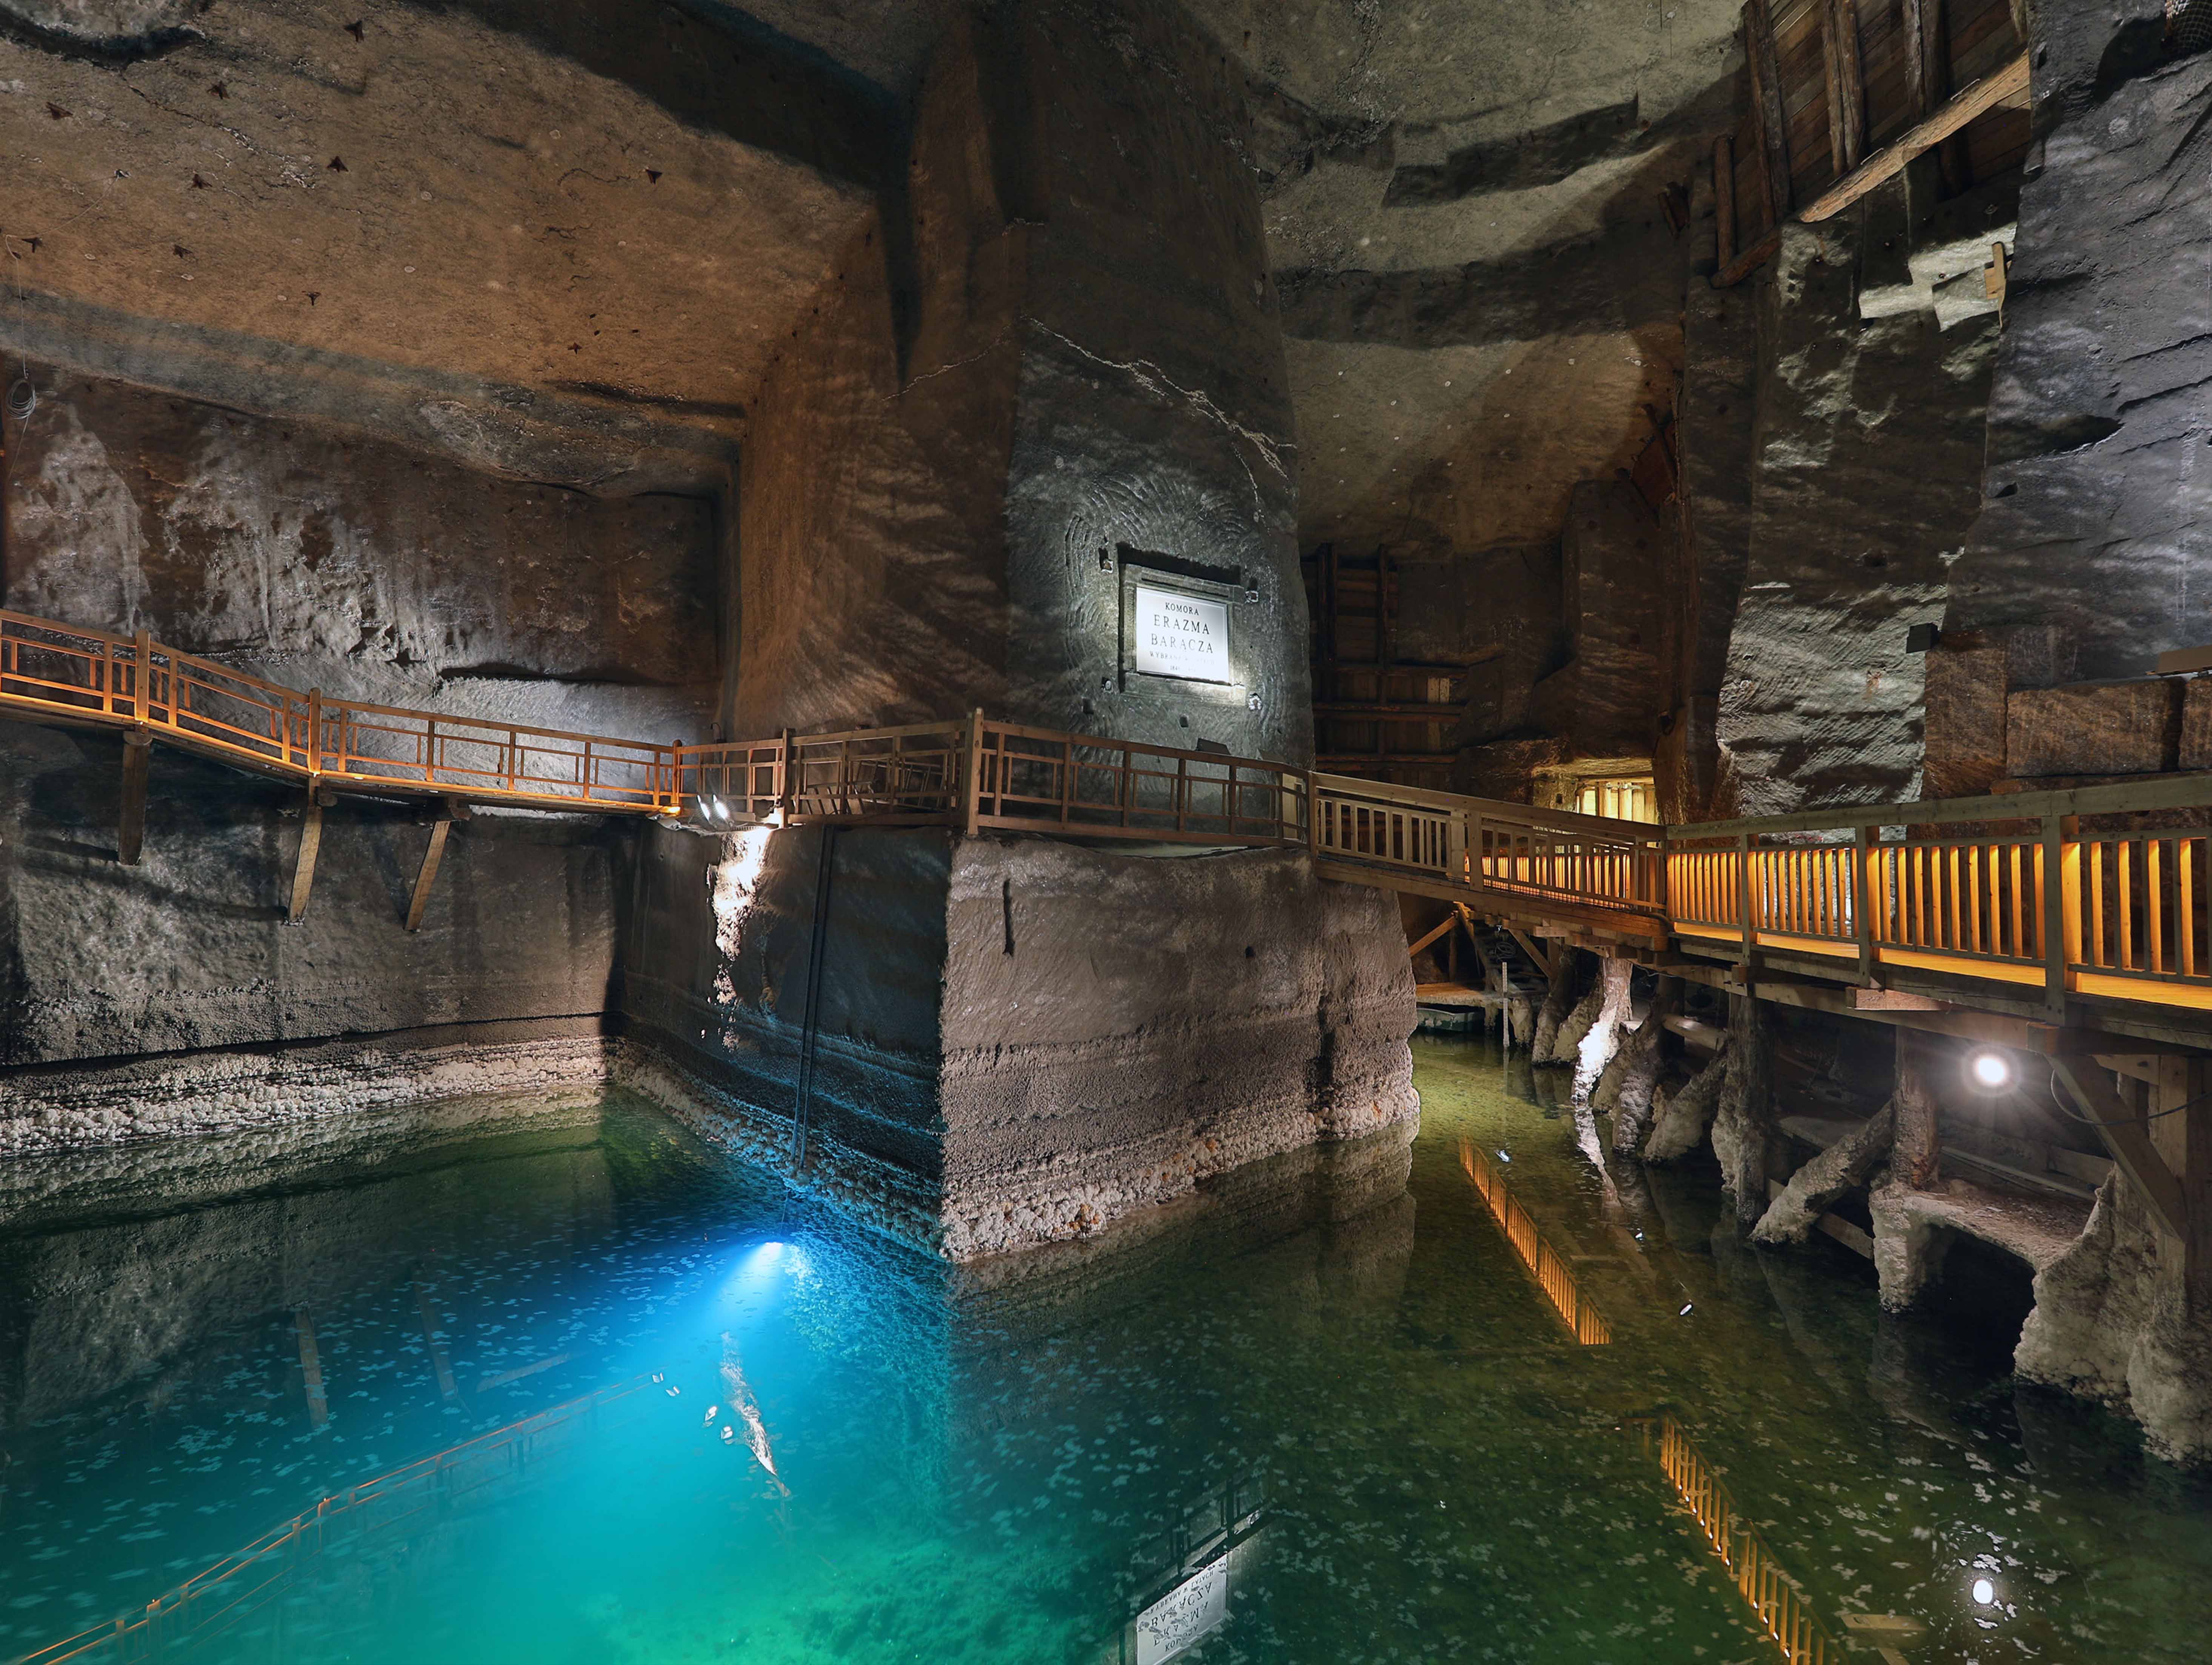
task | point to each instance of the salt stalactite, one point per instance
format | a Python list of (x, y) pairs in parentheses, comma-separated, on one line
[(1626, 1087), (1679, 1124), (1559, 999), (1841, 1167), (1743, 1122)]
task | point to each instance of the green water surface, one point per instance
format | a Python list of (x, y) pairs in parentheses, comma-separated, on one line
[(1332, 1361)]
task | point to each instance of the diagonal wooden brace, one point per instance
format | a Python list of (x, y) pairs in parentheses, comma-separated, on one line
[(2126, 1136), (447, 814)]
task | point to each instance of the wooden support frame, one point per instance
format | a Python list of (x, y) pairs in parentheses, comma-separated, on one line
[(431, 857), (1847, 75), (1766, 117), (1723, 200), (303, 865), (130, 819), (1998, 88), (2127, 1136)]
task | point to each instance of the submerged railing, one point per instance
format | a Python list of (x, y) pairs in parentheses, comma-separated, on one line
[(1582, 1319), (218, 1598), (1777, 1604)]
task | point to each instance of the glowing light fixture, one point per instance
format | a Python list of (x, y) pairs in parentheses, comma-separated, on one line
[(1989, 1069), (1986, 1593)]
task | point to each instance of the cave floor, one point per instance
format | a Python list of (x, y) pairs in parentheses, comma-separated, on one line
[(1337, 1366)]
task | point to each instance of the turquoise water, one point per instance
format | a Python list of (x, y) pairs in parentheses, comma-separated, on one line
[(1333, 1362)]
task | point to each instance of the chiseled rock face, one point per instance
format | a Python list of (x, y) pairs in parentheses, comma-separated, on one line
[(2093, 728), (1016, 1039), (2098, 491), (1868, 453), (189, 948), (2110, 1324), (1118, 1028)]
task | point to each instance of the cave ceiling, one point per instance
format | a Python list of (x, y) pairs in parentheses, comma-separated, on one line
[(544, 234)]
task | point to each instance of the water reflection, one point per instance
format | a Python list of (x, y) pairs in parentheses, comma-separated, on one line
[(1319, 1410)]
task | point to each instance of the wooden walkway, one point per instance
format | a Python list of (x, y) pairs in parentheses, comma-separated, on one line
[(2049, 908)]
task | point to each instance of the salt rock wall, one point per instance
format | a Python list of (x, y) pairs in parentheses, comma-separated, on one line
[(189, 951), (1867, 451), (1015, 1040), (1060, 372), (374, 572), (2097, 522)]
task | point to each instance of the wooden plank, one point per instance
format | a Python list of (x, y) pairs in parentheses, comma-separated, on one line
[(1432, 936), (1984, 95), (1767, 108), (2127, 1137), (1923, 61), (303, 865), (130, 819), (1723, 200), (424, 879), (1541, 957), (1845, 74)]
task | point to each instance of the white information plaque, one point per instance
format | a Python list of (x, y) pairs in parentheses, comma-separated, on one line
[(1185, 1613), (1181, 636)]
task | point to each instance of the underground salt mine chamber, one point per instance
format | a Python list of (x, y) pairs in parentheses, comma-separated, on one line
[(1068, 830)]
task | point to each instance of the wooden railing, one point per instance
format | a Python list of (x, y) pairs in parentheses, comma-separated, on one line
[(2101, 891), (133, 681), (1582, 1320), (1777, 1604)]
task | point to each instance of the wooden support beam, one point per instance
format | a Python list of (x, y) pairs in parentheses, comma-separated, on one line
[(1723, 200), (1766, 117), (1998, 88), (1916, 1147), (1886, 163), (131, 823), (1846, 77), (2127, 1136), (424, 879), (1432, 936), (1529, 946), (1923, 23), (303, 865)]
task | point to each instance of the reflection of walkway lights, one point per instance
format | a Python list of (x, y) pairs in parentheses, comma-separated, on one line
[(1989, 1069), (1986, 1593)]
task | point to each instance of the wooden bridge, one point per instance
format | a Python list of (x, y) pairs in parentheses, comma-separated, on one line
[(2073, 924)]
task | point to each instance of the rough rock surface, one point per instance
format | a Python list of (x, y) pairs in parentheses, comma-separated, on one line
[(1868, 455), (189, 948), (356, 566), (1018, 1039), (1909, 1227), (1624, 1090), (1575, 1027), (2092, 525), (2111, 1324), (951, 505), (1790, 1218), (1679, 1120)]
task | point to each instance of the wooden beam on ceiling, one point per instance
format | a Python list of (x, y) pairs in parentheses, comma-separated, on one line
[(1999, 87), (1846, 78), (1766, 117)]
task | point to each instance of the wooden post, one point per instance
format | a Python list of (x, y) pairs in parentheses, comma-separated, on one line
[(1766, 117), (1917, 1149), (1723, 200), (1846, 85), (142, 675), (973, 789), (311, 844), (1743, 900), (424, 879), (131, 823), (2061, 910), (2127, 1137), (1863, 898)]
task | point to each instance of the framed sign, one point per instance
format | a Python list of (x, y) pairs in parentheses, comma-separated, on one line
[(1176, 634), (1184, 1615)]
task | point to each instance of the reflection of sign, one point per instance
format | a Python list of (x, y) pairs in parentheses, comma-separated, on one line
[(1180, 635), (1185, 1613)]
